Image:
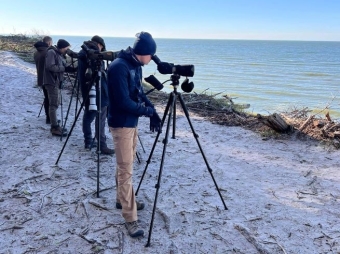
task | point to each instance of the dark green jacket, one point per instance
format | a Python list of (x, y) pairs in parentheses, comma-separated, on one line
[(54, 67)]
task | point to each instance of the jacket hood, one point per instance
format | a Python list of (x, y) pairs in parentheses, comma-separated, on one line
[(130, 56), (40, 44), (90, 45), (55, 49)]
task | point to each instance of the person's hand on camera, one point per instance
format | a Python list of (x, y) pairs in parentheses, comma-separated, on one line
[(155, 123)]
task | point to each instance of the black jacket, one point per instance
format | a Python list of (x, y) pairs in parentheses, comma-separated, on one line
[(39, 59), (85, 85)]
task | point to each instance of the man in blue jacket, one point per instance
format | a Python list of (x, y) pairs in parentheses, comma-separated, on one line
[(127, 102), (96, 43)]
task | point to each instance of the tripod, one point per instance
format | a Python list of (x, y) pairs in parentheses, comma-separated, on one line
[(61, 110), (44, 101), (97, 80), (170, 108), (42, 105), (75, 89)]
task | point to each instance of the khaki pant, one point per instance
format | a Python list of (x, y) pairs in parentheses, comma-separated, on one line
[(125, 142)]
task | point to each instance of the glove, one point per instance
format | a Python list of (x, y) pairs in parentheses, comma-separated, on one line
[(149, 111), (155, 123)]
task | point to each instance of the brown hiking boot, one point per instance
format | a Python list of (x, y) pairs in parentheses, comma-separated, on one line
[(57, 131), (133, 229)]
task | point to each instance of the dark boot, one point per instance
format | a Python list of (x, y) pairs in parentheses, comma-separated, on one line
[(140, 205), (106, 150), (90, 145), (57, 131)]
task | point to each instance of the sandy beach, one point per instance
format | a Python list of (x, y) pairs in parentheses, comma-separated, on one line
[(283, 196)]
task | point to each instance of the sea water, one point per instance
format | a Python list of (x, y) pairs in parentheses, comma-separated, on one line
[(271, 76)]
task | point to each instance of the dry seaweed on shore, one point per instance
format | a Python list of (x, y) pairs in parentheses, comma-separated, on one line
[(322, 128), (217, 108), (222, 110)]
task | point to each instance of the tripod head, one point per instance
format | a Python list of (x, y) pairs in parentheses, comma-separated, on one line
[(89, 75), (176, 70), (175, 80), (186, 85)]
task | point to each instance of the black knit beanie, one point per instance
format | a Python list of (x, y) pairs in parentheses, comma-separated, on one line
[(62, 44), (99, 40), (144, 44)]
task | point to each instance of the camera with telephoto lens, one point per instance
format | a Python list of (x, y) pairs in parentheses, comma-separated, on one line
[(96, 55), (71, 53), (178, 70), (187, 70), (92, 99)]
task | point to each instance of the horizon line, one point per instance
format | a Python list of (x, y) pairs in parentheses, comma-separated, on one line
[(128, 37)]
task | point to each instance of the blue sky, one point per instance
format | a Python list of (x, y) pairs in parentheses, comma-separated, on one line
[(199, 19)]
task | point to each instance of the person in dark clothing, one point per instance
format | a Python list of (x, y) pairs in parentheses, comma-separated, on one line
[(55, 66), (96, 43), (127, 102), (39, 59)]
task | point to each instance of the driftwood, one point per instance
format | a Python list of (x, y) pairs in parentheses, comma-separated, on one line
[(309, 119), (275, 121), (317, 127), (224, 112)]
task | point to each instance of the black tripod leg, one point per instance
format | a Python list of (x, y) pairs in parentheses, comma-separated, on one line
[(98, 121), (98, 145), (61, 113), (155, 142), (157, 186), (69, 134), (140, 141), (199, 145), (138, 157), (74, 123), (69, 105), (78, 100), (174, 119), (41, 108)]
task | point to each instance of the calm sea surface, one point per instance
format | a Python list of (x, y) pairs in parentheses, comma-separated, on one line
[(271, 76)]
